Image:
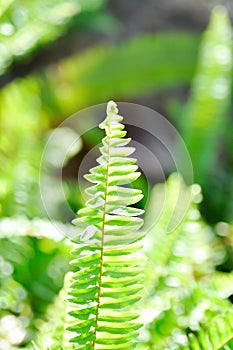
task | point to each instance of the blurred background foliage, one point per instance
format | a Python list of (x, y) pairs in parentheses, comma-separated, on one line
[(58, 57)]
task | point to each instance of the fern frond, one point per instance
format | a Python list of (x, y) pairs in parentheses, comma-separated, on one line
[(181, 267), (217, 335), (108, 268), (52, 333), (164, 228), (205, 114)]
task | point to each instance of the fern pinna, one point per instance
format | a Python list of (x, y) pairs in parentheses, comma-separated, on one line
[(108, 265)]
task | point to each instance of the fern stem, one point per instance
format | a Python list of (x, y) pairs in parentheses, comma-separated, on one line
[(102, 246)]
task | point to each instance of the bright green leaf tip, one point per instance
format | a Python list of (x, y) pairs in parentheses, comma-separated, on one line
[(112, 116), (112, 108)]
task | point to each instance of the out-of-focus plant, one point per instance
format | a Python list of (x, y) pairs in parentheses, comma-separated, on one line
[(21, 144), (216, 335), (51, 331), (25, 128), (137, 66), (27, 26), (41, 102), (184, 293), (33, 259), (205, 118)]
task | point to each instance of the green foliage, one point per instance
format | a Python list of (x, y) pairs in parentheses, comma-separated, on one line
[(217, 335), (183, 292), (21, 146), (108, 270), (97, 73), (207, 106), (205, 117), (183, 295), (27, 25), (40, 102), (4, 5), (33, 261), (52, 333), (25, 129), (137, 66), (186, 302)]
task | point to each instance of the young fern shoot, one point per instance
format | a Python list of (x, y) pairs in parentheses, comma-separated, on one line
[(107, 260)]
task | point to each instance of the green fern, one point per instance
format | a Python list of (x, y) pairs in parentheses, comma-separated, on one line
[(217, 335), (183, 292), (205, 118), (52, 333), (205, 113), (108, 267)]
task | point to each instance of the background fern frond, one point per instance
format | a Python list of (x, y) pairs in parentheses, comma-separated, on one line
[(217, 335), (182, 291), (52, 333), (34, 259), (108, 268), (206, 109), (205, 117)]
